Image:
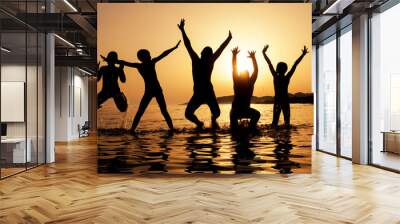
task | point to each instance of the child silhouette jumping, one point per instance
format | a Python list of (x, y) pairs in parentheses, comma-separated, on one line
[(281, 85), (243, 86), (203, 90), (110, 74), (147, 69)]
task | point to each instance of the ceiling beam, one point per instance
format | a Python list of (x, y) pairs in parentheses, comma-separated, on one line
[(79, 61), (85, 25)]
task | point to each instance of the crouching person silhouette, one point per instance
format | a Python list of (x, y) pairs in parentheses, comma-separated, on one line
[(243, 86), (110, 74), (281, 85), (203, 91), (147, 69)]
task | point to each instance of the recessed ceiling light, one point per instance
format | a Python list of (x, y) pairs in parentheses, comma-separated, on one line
[(70, 5), (338, 6), (84, 71), (5, 50), (64, 40)]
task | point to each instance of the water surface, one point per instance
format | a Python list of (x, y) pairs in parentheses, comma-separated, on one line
[(154, 150)]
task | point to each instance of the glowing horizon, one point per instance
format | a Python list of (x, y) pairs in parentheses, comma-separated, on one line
[(126, 28)]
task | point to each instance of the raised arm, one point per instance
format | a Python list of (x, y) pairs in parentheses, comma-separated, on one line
[(165, 53), (271, 67), (235, 75), (252, 55), (304, 51), (121, 73), (186, 40), (122, 62), (129, 64), (221, 48)]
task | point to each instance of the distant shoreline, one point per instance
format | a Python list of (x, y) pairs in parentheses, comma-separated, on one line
[(296, 98)]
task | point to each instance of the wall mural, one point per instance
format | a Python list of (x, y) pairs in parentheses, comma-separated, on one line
[(204, 88)]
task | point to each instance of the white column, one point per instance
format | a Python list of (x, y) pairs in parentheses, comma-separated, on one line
[(360, 90), (50, 92), (50, 98)]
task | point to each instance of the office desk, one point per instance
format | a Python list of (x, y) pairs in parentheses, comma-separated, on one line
[(391, 141), (16, 148)]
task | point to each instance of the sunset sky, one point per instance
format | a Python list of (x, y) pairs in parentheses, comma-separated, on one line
[(126, 28)]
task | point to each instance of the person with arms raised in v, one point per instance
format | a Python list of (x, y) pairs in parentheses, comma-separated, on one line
[(243, 86), (281, 86), (203, 91)]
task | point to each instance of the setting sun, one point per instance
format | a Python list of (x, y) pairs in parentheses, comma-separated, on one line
[(244, 64)]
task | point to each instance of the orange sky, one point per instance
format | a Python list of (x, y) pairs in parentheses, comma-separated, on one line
[(126, 28)]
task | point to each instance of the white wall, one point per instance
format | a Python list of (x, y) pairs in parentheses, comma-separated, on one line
[(81, 94), (62, 81), (71, 102), (12, 73), (33, 127)]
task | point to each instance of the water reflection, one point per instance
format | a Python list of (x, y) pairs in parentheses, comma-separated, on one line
[(202, 150), (267, 151), (282, 153)]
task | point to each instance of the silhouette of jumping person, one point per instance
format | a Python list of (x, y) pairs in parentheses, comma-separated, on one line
[(281, 85), (203, 91), (147, 70), (243, 86), (110, 74)]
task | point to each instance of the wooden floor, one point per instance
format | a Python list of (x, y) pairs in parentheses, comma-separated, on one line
[(70, 191)]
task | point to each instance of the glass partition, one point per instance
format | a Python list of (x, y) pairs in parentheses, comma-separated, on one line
[(31, 97), (15, 150), (22, 77), (346, 93), (41, 97), (385, 89), (327, 97)]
